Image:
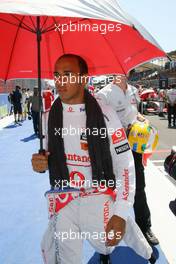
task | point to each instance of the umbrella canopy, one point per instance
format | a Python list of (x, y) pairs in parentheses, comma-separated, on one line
[(99, 31), (34, 33)]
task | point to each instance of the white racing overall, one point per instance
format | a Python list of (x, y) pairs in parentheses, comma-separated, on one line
[(85, 216)]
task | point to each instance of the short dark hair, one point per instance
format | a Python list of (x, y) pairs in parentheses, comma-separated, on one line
[(82, 63)]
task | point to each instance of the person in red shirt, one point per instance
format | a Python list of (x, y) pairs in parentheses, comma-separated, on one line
[(48, 99)]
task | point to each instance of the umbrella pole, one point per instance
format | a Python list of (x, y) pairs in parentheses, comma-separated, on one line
[(41, 150)]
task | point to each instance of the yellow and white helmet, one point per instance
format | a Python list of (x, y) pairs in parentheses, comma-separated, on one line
[(143, 137)]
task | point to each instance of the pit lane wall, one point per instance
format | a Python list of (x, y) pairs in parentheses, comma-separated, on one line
[(4, 105)]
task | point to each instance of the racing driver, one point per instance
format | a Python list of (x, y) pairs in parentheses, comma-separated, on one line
[(91, 170)]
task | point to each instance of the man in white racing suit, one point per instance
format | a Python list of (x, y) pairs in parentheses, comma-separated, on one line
[(93, 210), (125, 100)]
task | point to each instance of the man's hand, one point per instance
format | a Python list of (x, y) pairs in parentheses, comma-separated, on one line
[(40, 162), (116, 225)]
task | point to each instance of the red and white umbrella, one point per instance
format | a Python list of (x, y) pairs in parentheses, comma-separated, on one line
[(32, 37), (111, 41)]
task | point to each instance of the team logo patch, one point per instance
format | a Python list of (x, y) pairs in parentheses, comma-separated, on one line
[(123, 148), (118, 136), (82, 109), (70, 109)]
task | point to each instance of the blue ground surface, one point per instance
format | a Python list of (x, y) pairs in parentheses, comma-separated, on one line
[(23, 212)]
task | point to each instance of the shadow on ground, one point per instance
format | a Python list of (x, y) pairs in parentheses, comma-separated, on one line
[(27, 139)]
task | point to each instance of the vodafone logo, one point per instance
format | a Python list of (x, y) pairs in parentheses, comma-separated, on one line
[(77, 179), (118, 133), (70, 109), (118, 136), (106, 214)]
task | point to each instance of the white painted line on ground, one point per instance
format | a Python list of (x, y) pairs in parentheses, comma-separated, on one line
[(157, 161), (161, 168), (160, 191), (5, 121)]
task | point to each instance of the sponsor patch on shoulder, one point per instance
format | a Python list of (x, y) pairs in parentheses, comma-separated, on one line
[(123, 148), (118, 136)]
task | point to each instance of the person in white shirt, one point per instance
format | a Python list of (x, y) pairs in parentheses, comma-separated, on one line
[(171, 105), (125, 100), (24, 103)]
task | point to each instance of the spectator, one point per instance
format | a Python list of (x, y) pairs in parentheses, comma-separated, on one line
[(48, 99), (33, 107), (171, 105), (16, 100), (161, 97), (10, 99), (24, 103)]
